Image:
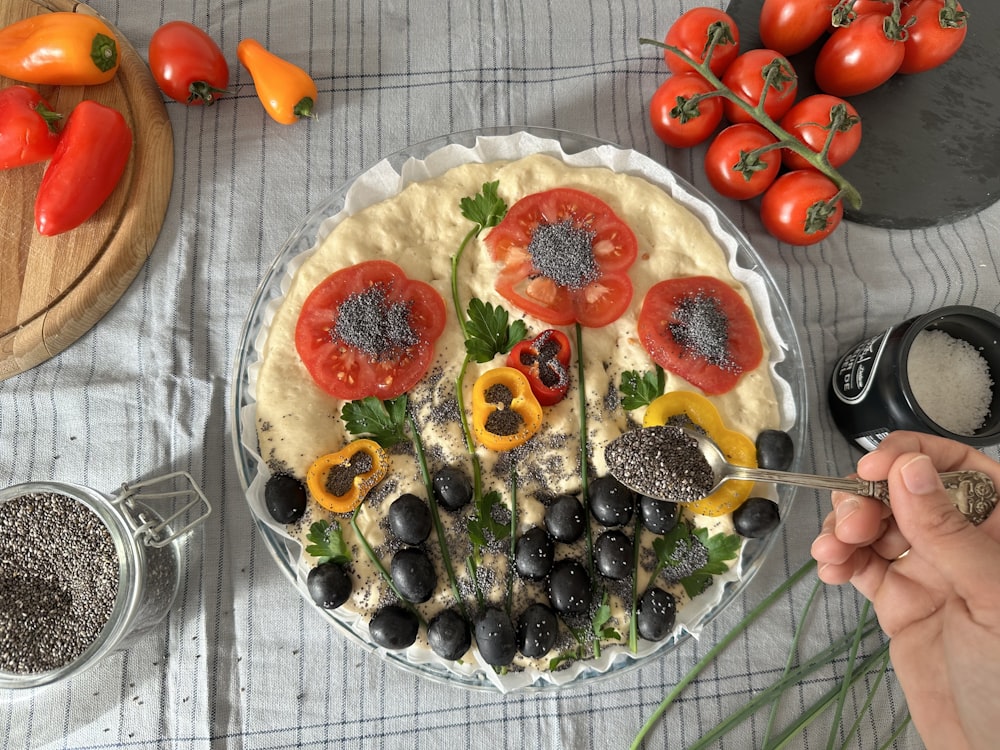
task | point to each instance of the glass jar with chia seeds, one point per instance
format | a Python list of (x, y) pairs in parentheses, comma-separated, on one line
[(83, 574), (936, 373)]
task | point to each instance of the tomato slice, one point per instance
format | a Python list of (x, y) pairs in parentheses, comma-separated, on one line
[(700, 329), (368, 330), (565, 257)]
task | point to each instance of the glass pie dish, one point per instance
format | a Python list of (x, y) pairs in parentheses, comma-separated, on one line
[(430, 159)]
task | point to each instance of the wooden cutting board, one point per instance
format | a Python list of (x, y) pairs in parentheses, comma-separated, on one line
[(55, 289)]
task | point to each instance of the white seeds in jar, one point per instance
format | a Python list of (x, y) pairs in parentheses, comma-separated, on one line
[(950, 381)]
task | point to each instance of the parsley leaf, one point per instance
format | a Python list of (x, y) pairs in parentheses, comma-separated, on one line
[(640, 389), (721, 548), (384, 421), (601, 617), (486, 209), (488, 331), (327, 543), (483, 526)]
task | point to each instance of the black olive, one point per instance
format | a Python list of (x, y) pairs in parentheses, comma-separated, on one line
[(394, 627), (533, 554), (496, 638), (659, 516), (611, 502), (329, 584), (569, 588), (449, 635), (656, 614), (757, 517), (537, 630), (613, 554), (565, 519), (410, 519), (775, 450), (452, 488), (413, 573), (285, 498)]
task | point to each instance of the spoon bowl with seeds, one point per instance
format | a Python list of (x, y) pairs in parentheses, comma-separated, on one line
[(682, 466)]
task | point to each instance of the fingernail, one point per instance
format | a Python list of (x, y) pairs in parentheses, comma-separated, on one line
[(920, 476), (846, 507)]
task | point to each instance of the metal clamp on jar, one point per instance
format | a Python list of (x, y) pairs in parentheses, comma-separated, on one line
[(83, 574)]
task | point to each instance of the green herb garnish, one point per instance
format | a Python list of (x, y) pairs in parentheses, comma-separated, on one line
[(721, 548), (601, 618), (486, 209), (641, 389), (383, 421), (327, 543), (483, 526), (489, 331)]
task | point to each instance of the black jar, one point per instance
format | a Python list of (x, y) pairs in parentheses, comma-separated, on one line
[(870, 393)]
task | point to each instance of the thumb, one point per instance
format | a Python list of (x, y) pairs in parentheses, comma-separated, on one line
[(964, 554)]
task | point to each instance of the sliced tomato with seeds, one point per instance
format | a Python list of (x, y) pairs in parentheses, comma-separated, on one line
[(565, 257), (700, 329), (369, 330)]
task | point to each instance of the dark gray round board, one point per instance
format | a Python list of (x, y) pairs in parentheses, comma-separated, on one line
[(930, 147)]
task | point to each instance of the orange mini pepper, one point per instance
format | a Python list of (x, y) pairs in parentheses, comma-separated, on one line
[(59, 49), (505, 413), (340, 481), (287, 92), (682, 407)]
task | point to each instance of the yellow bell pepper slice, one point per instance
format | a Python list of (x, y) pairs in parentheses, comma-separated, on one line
[(505, 413), (677, 407), (340, 481)]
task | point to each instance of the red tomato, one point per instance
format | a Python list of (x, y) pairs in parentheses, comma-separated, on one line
[(859, 57), (27, 127), (678, 121), (88, 163), (565, 257), (745, 77), (187, 64), (700, 329), (368, 330), (797, 208), (790, 26), (811, 121), (935, 35), (733, 165), (691, 34), (861, 7)]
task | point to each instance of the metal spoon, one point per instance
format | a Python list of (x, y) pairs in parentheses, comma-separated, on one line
[(680, 465)]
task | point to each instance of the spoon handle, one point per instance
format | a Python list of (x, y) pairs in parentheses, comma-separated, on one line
[(972, 492)]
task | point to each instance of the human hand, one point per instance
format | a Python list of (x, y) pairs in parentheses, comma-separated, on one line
[(933, 579)]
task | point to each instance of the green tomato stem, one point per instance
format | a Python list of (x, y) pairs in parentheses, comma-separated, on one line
[(818, 161)]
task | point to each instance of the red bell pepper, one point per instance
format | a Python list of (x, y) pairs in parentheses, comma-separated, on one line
[(27, 127), (544, 360), (85, 169)]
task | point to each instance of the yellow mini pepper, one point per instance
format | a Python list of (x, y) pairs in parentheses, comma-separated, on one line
[(340, 481), (287, 92), (505, 413), (59, 49), (676, 407)]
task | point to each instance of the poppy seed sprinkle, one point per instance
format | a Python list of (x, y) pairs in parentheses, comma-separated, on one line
[(701, 328), (369, 321), (661, 462), (564, 253)]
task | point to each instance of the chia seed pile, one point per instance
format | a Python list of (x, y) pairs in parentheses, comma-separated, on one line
[(661, 462), (370, 322), (701, 327), (58, 581), (565, 254)]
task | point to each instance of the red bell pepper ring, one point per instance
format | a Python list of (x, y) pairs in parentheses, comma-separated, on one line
[(544, 360), (85, 169), (28, 131)]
